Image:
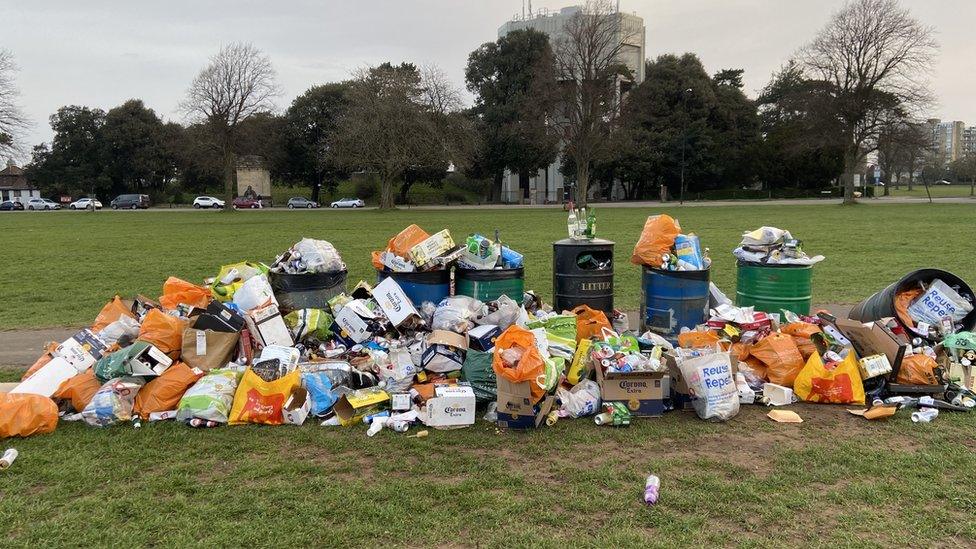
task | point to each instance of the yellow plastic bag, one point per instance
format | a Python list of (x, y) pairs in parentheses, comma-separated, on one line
[(838, 385), (260, 401), (242, 272), (177, 291), (22, 415), (581, 362), (655, 240)]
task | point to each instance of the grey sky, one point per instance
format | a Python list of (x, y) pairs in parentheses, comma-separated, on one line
[(100, 53)]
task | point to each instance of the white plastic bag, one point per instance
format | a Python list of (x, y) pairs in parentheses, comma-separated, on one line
[(508, 313), (582, 400), (255, 292), (318, 256), (125, 329), (711, 385), (456, 314)]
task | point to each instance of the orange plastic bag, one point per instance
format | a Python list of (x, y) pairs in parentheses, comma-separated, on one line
[(782, 359), (740, 351), (697, 339), (402, 243), (260, 401), (530, 367), (164, 392), (802, 332), (756, 366), (590, 323), (163, 330), (41, 360), (23, 415), (112, 311), (176, 291), (902, 301), (79, 389), (655, 240), (918, 370)]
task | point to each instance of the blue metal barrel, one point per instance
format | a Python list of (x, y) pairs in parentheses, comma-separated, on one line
[(672, 300), (424, 286)]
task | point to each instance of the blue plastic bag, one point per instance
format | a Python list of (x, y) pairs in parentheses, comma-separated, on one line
[(319, 387)]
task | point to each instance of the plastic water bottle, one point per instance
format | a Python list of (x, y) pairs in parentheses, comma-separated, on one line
[(572, 224), (651, 488)]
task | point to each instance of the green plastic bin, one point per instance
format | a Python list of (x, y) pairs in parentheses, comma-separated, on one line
[(490, 284), (771, 288)]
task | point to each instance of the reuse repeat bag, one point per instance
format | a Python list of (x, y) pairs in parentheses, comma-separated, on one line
[(79, 389), (23, 415), (838, 385), (260, 401), (112, 311), (655, 240), (177, 291), (530, 367), (163, 330), (918, 369), (711, 385), (782, 359), (164, 392), (590, 323), (802, 332)]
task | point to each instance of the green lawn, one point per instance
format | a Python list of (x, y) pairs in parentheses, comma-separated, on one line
[(834, 480), (937, 191), (60, 267)]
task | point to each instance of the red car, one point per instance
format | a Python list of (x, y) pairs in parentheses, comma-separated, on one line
[(245, 202)]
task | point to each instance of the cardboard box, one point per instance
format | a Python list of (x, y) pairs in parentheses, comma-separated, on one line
[(82, 350), (352, 407), (219, 318), (482, 338), (394, 302), (46, 380), (150, 361), (873, 338), (435, 245), (267, 327), (297, 407), (444, 351), (531, 420), (642, 392), (452, 406), (350, 326), (514, 398)]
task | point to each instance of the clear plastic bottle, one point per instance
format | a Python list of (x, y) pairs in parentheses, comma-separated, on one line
[(581, 223), (651, 488), (572, 224)]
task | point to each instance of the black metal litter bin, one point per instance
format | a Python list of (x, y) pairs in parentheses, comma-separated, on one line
[(306, 291), (582, 274)]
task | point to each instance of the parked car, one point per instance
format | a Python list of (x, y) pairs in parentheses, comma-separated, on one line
[(348, 203), (130, 201), (42, 204), (245, 202), (85, 204), (11, 206), (207, 202), (300, 202), (943, 182)]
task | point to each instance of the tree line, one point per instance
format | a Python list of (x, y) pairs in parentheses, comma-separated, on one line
[(854, 93)]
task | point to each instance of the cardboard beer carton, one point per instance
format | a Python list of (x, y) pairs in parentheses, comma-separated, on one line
[(352, 407), (394, 302), (452, 406), (267, 326), (642, 392), (435, 245)]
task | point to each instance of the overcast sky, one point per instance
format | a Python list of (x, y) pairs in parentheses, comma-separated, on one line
[(100, 53)]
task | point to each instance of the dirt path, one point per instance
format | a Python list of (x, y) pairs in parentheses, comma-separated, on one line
[(20, 348)]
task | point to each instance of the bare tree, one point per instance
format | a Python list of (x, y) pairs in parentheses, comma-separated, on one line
[(876, 57), (238, 83), (901, 146), (392, 127), (439, 93), (12, 119), (589, 67)]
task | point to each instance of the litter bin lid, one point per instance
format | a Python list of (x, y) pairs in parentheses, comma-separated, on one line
[(571, 242)]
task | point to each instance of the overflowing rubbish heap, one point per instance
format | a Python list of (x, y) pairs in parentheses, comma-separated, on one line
[(288, 344)]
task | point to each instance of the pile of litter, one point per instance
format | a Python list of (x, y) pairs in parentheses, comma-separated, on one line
[(287, 344)]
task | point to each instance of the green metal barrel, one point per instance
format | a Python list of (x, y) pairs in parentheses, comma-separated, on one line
[(490, 284), (770, 288)]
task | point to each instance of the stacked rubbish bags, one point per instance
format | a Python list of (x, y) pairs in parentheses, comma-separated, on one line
[(290, 343)]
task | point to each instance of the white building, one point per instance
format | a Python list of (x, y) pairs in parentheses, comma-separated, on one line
[(948, 137), (14, 185), (549, 185)]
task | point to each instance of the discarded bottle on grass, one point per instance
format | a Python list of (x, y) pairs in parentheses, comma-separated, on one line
[(8, 458), (925, 415), (651, 488)]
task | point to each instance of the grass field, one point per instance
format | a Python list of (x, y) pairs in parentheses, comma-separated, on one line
[(833, 480), (60, 267), (936, 191)]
